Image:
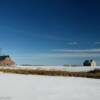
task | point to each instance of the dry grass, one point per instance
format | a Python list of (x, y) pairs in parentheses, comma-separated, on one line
[(91, 74)]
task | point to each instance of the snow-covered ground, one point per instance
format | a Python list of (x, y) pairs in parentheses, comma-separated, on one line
[(64, 68), (28, 87), (70, 68)]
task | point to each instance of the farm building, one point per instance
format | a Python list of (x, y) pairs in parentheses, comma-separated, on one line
[(89, 63), (5, 60)]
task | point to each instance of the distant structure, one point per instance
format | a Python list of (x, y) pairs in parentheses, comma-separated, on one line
[(5, 60), (89, 63)]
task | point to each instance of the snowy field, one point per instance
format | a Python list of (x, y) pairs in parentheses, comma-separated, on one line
[(64, 68), (28, 87)]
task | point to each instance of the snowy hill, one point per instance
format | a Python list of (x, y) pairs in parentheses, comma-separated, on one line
[(29, 87)]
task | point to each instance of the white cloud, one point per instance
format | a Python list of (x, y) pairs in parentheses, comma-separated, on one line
[(61, 53), (64, 55), (79, 53), (77, 50), (72, 43), (97, 43)]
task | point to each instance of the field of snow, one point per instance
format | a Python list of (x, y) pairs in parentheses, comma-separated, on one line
[(63, 68), (34, 87), (54, 68)]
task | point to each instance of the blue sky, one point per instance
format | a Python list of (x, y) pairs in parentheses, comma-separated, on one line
[(44, 31)]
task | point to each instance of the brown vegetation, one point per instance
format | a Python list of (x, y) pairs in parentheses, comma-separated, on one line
[(91, 74)]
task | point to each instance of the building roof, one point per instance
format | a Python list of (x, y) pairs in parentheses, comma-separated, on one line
[(3, 57)]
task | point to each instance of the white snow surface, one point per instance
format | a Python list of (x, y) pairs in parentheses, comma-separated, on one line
[(70, 68), (35, 87), (54, 68)]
